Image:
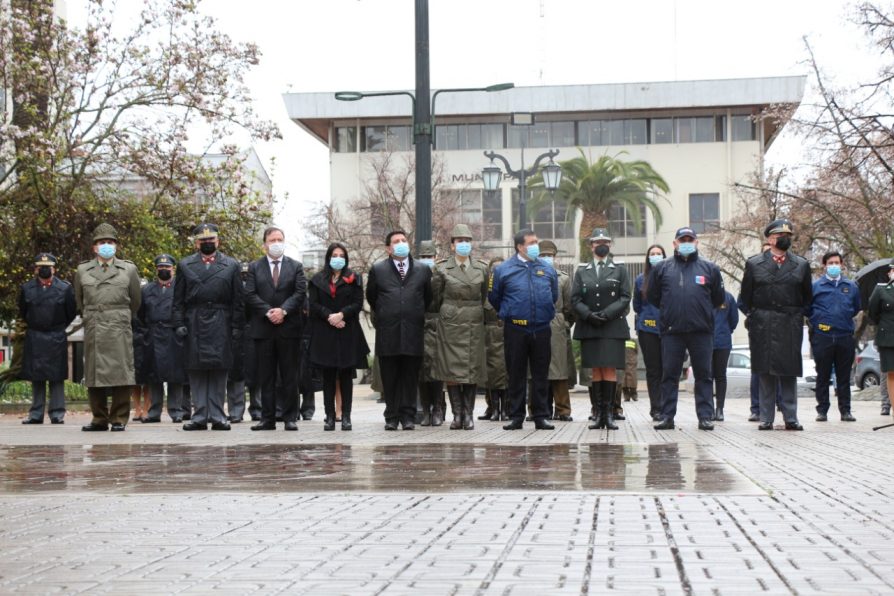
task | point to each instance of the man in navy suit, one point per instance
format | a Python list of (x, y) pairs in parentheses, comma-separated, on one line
[(274, 293)]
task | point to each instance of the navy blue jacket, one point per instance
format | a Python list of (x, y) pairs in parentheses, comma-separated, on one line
[(524, 293), (834, 306), (686, 290), (648, 317), (726, 319)]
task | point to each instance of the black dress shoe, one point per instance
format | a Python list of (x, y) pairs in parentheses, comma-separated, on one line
[(117, 427), (329, 424), (234, 420), (565, 419), (255, 418), (793, 426), (57, 421), (150, 420), (619, 415), (754, 418), (291, 425), (848, 417), (391, 425), (409, 425), (765, 426), (264, 426), (346, 423), (177, 419), (95, 427), (32, 421), (220, 426), (543, 425), (821, 418), (187, 417), (513, 425), (705, 425), (137, 419), (195, 426), (886, 411), (303, 417), (718, 414), (667, 424)]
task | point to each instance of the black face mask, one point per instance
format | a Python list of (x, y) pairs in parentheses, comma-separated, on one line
[(207, 248), (601, 250), (165, 274), (44, 272), (783, 243)]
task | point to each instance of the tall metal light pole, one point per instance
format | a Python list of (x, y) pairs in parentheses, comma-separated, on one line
[(422, 126)]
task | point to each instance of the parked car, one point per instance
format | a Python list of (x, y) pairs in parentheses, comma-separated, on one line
[(738, 371), (867, 367)]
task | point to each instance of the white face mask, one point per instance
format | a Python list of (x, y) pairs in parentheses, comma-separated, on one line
[(276, 249)]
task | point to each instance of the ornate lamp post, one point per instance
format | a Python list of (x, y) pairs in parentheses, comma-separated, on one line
[(552, 177)]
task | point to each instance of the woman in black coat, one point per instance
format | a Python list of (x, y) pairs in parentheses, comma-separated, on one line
[(881, 313), (337, 344)]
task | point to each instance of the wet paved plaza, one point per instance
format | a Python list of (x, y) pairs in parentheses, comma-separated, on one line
[(157, 510)]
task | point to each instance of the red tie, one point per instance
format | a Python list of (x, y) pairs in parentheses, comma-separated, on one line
[(779, 260)]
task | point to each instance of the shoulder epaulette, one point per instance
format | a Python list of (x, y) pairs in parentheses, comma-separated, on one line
[(439, 261)]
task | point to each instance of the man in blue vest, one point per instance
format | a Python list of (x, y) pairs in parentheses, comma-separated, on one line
[(836, 301)]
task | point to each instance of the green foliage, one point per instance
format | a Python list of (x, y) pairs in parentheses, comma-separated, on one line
[(19, 392)]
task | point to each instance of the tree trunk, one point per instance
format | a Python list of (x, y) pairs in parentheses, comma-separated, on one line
[(590, 221)]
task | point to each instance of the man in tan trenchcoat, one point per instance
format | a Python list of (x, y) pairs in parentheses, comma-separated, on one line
[(107, 292)]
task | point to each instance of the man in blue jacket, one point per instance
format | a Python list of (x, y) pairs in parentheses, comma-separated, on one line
[(686, 289), (524, 290), (836, 301)]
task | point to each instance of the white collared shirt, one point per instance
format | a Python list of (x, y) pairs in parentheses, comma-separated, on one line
[(270, 263)]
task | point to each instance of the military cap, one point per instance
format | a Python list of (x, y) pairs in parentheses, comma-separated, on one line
[(205, 231), (44, 259), (244, 266), (600, 234), (548, 247), (427, 248), (779, 226), (164, 259), (685, 231), (460, 231), (105, 231)]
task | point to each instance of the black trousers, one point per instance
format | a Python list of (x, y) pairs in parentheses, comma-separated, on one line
[(719, 362), (650, 345), (400, 377), (828, 352), (673, 350), (282, 355), (345, 378), (524, 351)]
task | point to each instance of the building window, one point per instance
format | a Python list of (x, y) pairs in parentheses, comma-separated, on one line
[(622, 225), (662, 131), (458, 137), (699, 129), (743, 128), (614, 132), (481, 210), (386, 138), (346, 139), (541, 134), (492, 215), (549, 221), (704, 212)]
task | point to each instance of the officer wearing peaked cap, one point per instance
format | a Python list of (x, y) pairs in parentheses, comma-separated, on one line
[(776, 289), (47, 306), (107, 291)]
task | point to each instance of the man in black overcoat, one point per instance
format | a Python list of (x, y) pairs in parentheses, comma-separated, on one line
[(47, 305)]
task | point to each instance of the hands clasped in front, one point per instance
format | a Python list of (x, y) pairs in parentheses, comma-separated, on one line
[(337, 320)]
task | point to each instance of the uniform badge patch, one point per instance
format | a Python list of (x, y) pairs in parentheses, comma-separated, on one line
[(700, 280)]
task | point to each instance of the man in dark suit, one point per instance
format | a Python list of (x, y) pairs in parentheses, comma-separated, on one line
[(274, 292), (208, 311), (399, 292)]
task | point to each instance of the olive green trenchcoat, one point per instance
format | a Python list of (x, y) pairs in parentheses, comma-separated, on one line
[(107, 299), (460, 354), (496, 357), (560, 326)]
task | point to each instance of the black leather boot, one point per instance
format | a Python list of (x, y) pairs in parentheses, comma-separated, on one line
[(489, 399), (456, 406), (718, 409), (496, 400), (504, 399), (608, 402), (438, 405), (425, 402), (596, 401), (469, 392)]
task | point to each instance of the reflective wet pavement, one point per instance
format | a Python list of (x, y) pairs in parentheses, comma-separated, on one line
[(428, 468)]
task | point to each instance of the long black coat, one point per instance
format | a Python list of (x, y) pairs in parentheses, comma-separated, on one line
[(208, 301), (261, 296), (331, 347), (609, 293), (167, 351), (881, 313), (47, 312), (399, 307), (773, 298)]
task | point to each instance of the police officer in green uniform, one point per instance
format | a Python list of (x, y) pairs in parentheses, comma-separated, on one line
[(601, 297), (107, 292), (431, 390)]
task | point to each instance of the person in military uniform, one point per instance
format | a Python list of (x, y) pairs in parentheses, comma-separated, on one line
[(497, 379), (47, 306), (881, 313), (601, 297), (167, 350), (776, 289), (250, 363), (209, 313), (107, 292), (561, 327), (459, 288), (431, 390), (236, 374)]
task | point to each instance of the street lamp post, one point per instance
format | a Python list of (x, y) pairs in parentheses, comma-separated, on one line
[(552, 177)]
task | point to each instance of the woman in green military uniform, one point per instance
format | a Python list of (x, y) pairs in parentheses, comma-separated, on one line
[(460, 288), (601, 296), (497, 379)]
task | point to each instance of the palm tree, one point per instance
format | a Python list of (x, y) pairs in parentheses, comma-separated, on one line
[(595, 188)]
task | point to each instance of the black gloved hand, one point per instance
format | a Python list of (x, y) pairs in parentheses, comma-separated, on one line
[(596, 318), (182, 332)]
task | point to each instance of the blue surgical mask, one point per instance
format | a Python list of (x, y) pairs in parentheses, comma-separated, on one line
[(548, 261), (655, 259), (463, 249), (429, 262), (106, 251), (401, 249), (533, 251), (337, 263), (686, 248), (834, 271)]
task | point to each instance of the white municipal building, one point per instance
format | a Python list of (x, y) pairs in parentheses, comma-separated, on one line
[(701, 136)]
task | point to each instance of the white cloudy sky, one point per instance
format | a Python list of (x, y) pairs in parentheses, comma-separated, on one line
[(329, 45)]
